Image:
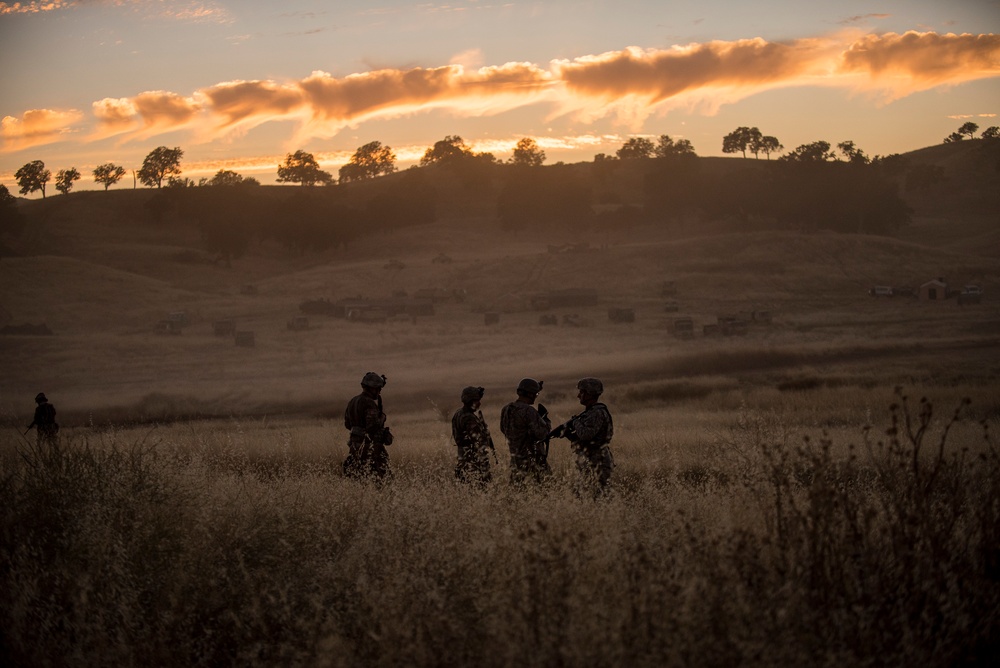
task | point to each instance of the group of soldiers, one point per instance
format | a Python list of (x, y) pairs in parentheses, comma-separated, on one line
[(527, 428)]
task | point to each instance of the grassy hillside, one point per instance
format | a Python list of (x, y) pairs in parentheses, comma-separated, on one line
[(100, 271)]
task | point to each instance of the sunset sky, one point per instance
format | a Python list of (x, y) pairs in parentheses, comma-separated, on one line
[(237, 85)]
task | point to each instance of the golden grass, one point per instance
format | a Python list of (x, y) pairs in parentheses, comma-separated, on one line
[(196, 513), (238, 541)]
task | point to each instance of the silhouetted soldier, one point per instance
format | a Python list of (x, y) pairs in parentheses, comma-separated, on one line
[(527, 431), (365, 420), (472, 437), (589, 434), (45, 421)]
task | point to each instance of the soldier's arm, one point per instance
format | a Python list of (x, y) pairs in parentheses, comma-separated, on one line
[(588, 425)]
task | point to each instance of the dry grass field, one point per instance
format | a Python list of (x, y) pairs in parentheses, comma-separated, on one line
[(777, 499)]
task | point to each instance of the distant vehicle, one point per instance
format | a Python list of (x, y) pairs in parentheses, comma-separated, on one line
[(970, 294), (880, 291)]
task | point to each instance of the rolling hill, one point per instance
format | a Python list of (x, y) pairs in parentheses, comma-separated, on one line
[(100, 270)]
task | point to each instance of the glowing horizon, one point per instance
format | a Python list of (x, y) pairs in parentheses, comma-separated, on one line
[(572, 106)]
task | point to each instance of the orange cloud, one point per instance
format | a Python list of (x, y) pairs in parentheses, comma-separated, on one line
[(335, 103), (361, 95), (114, 115), (192, 11), (917, 61), (249, 103), (34, 7), (633, 83), (37, 127), (661, 74)]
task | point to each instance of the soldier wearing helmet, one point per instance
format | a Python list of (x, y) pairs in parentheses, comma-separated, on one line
[(45, 421), (527, 430), (590, 434), (369, 436), (472, 437)]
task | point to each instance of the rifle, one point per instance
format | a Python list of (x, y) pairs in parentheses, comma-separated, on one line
[(384, 436), (544, 461), (565, 430), (489, 440)]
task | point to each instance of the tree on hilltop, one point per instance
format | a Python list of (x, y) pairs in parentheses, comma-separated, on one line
[(817, 151), (741, 139), (227, 177), (65, 179), (159, 164), (108, 174), (371, 160), (992, 132), (853, 154), (32, 176), (969, 128), (636, 148), (446, 150), (666, 147), (766, 145), (301, 167), (527, 153)]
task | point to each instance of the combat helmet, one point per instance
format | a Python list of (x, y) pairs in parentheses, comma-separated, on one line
[(591, 386), (471, 394), (373, 380), (40, 398), (529, 386)]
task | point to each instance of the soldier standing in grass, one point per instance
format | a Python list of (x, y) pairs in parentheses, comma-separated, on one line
[(527, 430), (590, 434), (365, 420), (472, 437), (45, 421)]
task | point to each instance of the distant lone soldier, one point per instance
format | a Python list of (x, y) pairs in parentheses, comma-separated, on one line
[(45, 421), (472, 437), (365, 420), (527, 431), (590, 434)]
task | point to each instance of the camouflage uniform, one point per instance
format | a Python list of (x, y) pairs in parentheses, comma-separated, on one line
[(369, 435), (589, 434), (527, 433), (472, 437), (44, 422)]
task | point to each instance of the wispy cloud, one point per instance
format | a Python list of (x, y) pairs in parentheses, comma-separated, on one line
[(862, 18), (630, 85), (145, 115), (914, 61), (34, 7), (176, 10), (37, 127)]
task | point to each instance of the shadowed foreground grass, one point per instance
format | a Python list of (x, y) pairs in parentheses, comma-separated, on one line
[(116, 551)]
